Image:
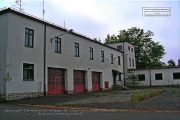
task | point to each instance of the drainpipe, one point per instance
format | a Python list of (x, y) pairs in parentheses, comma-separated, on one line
[(44, 60), (124, 66), (150, 76)]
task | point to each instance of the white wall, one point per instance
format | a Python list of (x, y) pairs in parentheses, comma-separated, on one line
[(3, 44), (67, 60), (167, 75), (19, 54)]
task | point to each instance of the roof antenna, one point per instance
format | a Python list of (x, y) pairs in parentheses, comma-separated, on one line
[(19, 2), (43, 10), (64, 24)]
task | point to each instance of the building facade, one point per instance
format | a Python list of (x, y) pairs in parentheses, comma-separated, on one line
[(35, 61)]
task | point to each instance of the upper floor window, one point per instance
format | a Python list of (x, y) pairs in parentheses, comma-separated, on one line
[(119, 47), (119, 60), (91, 53), (28, 71), (76, 49), (102, 56), (129, 62), (129, 48), (29, 37), (111, 58), (176, 75), (132, 49), (158, 76), (133, 62), (58, 45)]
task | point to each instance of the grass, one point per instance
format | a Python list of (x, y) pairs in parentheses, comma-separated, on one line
[(3, 99), (137, 96), (175, 91)]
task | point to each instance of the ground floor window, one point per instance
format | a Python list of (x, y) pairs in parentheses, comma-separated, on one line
[(158, 76), (141, 77), (28, 71), (176, 75)]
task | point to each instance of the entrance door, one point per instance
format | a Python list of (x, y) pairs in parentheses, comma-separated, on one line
[(95, 81)]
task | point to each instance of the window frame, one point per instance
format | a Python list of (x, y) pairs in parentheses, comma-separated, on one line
[(112, 61), (119, 60), (29, 33), (58, 44), (177, 77), (91, 53), (102, 56), (132, 62), (30, 72), (140, 76), (129, 62), (120, 46), (132, 50), (157, 77), (76, 49), (129, 48)]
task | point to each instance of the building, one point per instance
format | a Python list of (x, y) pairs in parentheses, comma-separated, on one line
[(40, 58), (35, 61)]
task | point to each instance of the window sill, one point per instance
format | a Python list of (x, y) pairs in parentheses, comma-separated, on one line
[(28, 79)]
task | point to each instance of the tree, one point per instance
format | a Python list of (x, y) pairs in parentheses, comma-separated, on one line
[(132, 80), (147, 52), (179, 62), (95, 39), (171, 63)]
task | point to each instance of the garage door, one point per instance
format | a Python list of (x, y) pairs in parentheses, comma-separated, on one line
[(55, 81), (79, 81), (95, 81)]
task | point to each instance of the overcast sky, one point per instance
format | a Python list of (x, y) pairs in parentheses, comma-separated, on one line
[(97, 18)]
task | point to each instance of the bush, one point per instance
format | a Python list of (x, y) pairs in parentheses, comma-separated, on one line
[(136, 96)]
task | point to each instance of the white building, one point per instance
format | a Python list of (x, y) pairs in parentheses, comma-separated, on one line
[(38, 58), (33, 61)]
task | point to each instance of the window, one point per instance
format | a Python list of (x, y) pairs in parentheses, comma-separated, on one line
[(102, 56), (76, 49), (91, 53), (111, 58), (119, 48), (176, 75), (129, 48), (29, 37), (141, 77), (119, 60), (132, 49), (133, 62), (129, 62), (58, 45), (28, 71), (158, 76)]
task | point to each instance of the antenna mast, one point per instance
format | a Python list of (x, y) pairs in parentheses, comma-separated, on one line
[(43, 10)]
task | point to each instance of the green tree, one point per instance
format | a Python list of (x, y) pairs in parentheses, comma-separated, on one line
[(171, 63), (132, 80), (179, 62), (147, 52)]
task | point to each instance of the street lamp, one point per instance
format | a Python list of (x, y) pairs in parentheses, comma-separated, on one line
[(120, 56), (69, 31)]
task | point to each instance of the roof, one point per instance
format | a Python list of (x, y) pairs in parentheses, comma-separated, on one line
[(165, 67), (120, 42), (29, 16)]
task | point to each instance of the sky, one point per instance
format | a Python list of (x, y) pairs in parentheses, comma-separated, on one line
[(97, 18)]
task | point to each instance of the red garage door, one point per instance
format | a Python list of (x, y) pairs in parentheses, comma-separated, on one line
[(95, 81), (56, 81), (79, 81)]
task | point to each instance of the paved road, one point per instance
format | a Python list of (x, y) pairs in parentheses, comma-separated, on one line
[(18, 112)]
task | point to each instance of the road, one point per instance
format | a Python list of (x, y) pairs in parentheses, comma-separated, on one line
[(22, 112)]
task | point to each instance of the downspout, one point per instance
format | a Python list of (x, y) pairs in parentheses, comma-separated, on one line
[(124, 66), (45, 60), (150, 76)]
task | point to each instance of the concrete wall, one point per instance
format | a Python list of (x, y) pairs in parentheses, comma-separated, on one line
[(3, 47), (66, 59), (18, 54), (167, 76)]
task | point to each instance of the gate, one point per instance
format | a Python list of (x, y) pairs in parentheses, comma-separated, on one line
[(56, 81), (79, 81)]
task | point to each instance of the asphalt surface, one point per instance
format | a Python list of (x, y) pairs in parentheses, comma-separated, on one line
[(18, 112), (165, 106)]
